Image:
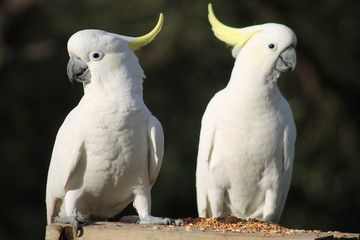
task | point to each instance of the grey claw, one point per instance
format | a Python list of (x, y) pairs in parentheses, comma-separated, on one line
[(75, 220), (177, 222), (78, 228), (78, 222)]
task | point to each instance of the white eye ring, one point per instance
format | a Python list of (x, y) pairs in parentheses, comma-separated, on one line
[(272, 46), (96, 56)]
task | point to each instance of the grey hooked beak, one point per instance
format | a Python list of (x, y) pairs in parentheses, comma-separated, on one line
[(286, 61), (78, 70)]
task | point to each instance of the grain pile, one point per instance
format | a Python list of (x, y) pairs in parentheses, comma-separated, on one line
[(237, 225)]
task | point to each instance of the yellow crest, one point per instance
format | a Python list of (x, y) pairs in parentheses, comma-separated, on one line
[(234, 37), (143, 40)]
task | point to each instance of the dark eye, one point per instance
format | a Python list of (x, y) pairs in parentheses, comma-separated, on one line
[(96, 56), (271, 46)]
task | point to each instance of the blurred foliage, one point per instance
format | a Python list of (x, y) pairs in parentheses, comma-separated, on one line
[(185, 66)]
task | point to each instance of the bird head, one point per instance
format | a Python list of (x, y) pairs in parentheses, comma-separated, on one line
[(261, 44), (90, 50)]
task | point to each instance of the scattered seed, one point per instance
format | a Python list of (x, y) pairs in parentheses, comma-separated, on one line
[(340, 235), (237, 225)]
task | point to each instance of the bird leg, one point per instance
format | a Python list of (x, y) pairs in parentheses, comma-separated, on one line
[(142, 202)]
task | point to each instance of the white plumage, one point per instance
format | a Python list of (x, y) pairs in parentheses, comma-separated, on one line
[(109, 150), (247, 137)]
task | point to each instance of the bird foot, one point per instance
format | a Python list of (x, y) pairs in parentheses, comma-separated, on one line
[(76, 220), (161, 221)]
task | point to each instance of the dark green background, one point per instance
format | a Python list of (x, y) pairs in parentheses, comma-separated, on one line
[(185, 65)]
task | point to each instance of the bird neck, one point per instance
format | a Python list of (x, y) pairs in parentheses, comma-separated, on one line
[(116, 86), (253, 82)]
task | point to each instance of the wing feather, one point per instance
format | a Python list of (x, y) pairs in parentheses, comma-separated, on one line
[(206, 144), (288, 160), (65, 157), (156, 148)]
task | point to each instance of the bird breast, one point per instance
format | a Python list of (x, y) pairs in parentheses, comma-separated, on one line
[(115, 150), (247, 140)]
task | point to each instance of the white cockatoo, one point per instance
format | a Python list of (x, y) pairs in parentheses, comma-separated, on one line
[(248, 134), (109, 150)]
